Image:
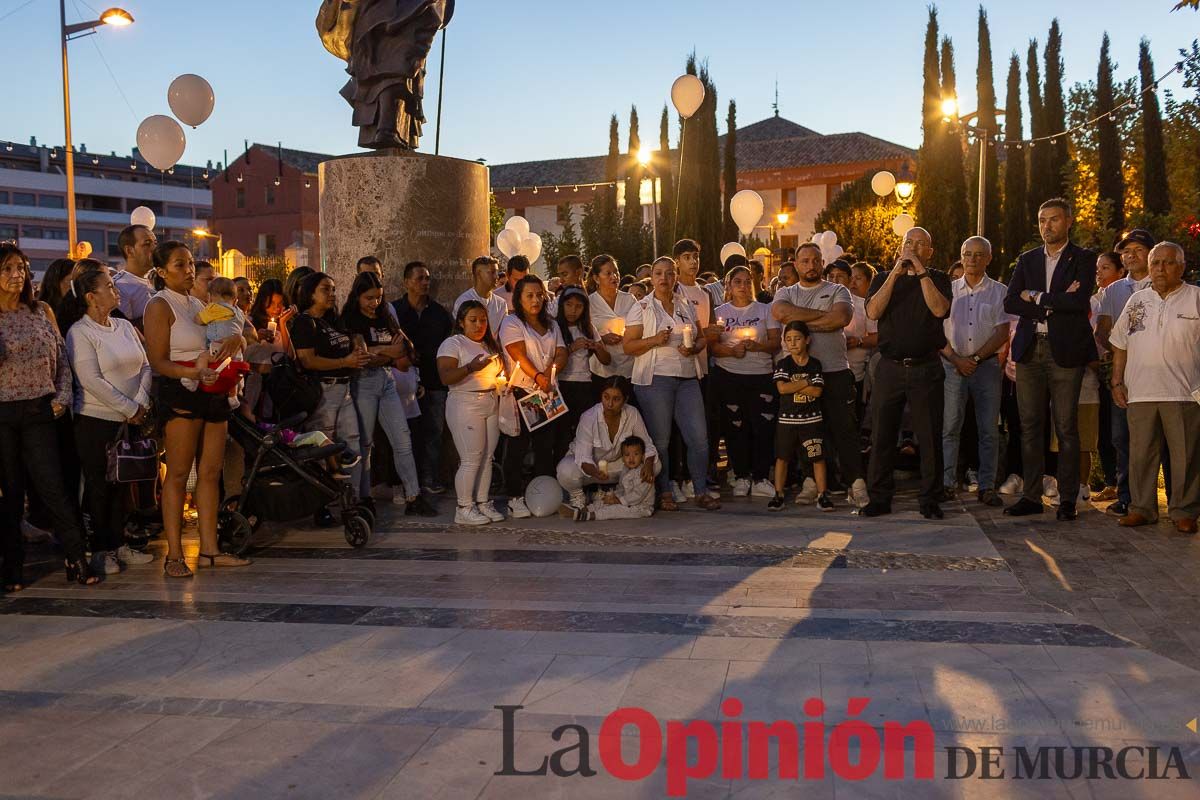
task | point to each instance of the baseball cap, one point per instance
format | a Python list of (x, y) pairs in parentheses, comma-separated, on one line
[(1139, 235)]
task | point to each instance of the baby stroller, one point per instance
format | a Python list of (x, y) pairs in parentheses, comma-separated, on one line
[(286, 483)]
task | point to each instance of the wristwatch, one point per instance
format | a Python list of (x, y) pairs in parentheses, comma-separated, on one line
[(975, 358)]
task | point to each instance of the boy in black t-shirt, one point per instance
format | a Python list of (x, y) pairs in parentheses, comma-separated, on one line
[(798, 426)]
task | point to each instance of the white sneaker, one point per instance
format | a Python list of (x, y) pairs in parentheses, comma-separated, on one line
[(972, 481), (688, 489), (399, 498), (488, 509), (128, 555), (1050, 486), (105, 562), (1014, 484), (577, 499), (763, 489), (808, 493), (712, 492), (858, 495), (1085, 493), (469, 515), (741, 488), (517, 508), (731, 479)]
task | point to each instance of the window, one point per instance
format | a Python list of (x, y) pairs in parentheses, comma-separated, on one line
[(269, 193), (789, 242), (266, 244), (58, 234), (95, 236), (52, 201), (3, 198), (787, 203), (24, 199), (97, 202), (562, 214), (180, 212), (518, 212), (114, 250), (241, 198), (8, 233), (31, 232)]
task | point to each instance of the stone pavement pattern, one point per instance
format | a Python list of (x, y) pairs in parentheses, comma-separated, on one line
[(325, 672)]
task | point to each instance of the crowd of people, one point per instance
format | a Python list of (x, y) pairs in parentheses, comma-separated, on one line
[(819, 378)]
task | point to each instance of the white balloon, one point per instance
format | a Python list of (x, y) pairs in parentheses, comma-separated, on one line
[(142, 216), (731, 249), (191, 99), (746, 208), (687, 94), (508, 242), (161, 141), (903, 223), (835, 252), (543, 496), (829, 238), (531, 247), (518, 224), (883, 183)]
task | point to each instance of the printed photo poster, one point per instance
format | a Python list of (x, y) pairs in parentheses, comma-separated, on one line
[(541, 408)]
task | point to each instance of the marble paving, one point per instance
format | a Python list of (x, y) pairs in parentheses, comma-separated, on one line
[(326, 672)]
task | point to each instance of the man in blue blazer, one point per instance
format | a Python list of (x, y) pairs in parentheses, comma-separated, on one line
[(1050, 292)]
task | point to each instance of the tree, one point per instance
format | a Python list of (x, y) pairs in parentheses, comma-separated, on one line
[(986, 93), (1058, 157), (633, 174), (729, 230), (666, 176), (932, 201), (699, 188), (1157, 196), (566, 243), (1110, 180), (495, 215), (1041, 186), (955, 222), (862, 221), (601, 226), (1016, 214)]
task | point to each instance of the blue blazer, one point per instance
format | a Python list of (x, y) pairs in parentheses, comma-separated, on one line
[(1072, 342)]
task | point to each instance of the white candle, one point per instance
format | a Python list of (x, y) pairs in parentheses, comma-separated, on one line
[(616, 325), (721, 321), (602, 465), (221, 367), (688, 339), (553, 373), (501, 383), (272, 325), (747, 333)]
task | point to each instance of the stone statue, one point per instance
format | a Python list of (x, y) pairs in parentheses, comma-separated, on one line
[(384, 44)]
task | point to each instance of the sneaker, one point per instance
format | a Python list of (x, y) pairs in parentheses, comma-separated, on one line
[(469, 515), (488, 509), (825, 502), (577, 499), (857, 495), (949, 494), (776, 503), (419, 507), (1049, 486), (687, 489), (972, 480), (713, 492), (127, 555), (1105, 495), (399, 498), (763, 489), (1117, 509), (1085, 493), (741, 488), (517, 508), (434, 488), (808, 493), (1013, 485), (104, 562)]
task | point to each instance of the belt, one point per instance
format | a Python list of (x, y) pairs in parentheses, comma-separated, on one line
[(1043, 335), (333, 381), (912, 362)]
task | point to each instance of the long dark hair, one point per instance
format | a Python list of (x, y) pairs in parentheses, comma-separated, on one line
[(585, 319), (544, 314), (7, 251), (74, 303), (292, 281), (489, 341), (162, 255), (305, 291), (49, 292), (363, 283), (258, 309)]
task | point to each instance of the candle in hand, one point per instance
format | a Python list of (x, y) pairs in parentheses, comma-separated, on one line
[(272, 325), (721, 321), (617, 326), (688, 339), (602, 465), (747, 333), (501, 383)]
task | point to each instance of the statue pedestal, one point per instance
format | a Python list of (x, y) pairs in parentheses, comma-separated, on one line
[(403, 206)]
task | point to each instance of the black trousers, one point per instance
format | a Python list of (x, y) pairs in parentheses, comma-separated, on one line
[(1041, 379), (541, 442), (579, 396), (106, 504), (746, 409), (842, 440), (921, 387), (29, 443), (68, 462)]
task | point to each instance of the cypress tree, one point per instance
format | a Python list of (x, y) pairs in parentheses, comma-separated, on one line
[(1110, 180), (666, 177), (1154, 171), (1055, 110), (1040, 186), (986, 92), (700, 174), (633, 174), (729, 230), (956, 214), (930, 205), (1016, 210)]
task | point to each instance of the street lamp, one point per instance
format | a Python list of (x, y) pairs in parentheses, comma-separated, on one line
[(644, 156), (983, 135), (204, 234), (118, 18)]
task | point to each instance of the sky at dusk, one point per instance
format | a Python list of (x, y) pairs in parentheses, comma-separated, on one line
[(538, 79)]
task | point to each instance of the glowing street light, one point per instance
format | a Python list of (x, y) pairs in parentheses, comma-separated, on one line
[(904, 191), (782, 218), (117, 17), (203, 233)]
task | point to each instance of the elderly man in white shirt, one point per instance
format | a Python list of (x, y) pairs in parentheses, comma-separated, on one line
[(1156, 378), (976, 330)]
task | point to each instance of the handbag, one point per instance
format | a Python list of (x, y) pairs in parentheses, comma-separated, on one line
[(510, 417), (129, 459), (292, 391)]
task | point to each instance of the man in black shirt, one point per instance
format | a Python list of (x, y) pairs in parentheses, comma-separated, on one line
[(427, 324), (910, 302)]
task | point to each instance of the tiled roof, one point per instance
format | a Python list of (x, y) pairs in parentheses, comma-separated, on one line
[(555, 172), (302, 160), (772, 128)]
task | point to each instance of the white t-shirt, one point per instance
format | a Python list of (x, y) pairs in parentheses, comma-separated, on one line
[(1160, 337), (577, 362), (860, 327), (606, 319), (464, 351), (666, 360), (700, 300), (539, 348), (135, 293), (753, 319), (828, 347), (497, 307)]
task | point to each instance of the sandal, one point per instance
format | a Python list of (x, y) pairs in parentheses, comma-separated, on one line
[(707, 503), (221, 560), (176, 568), (667, 503), (81, 572)]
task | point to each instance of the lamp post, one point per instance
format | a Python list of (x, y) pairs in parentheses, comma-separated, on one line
[(116, 17), (204, 234), (644, 157), (950, 114)]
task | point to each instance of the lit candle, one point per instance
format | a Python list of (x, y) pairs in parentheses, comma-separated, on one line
[(747, 333), (617, 325), (501, 383), (721, 321), (688, 339), (553, 373), (221, 367), (602, 465), (272, 325)]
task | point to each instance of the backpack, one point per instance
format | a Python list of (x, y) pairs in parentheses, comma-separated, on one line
[(292, 391)]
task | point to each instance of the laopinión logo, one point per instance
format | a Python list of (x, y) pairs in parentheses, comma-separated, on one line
[(852, 750)]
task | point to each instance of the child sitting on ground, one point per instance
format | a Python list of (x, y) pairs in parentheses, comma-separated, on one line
[(632, 499), (798, 426), (221, 318)]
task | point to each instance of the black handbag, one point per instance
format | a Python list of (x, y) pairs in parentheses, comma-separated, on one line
[(292, 391), (131, 460)]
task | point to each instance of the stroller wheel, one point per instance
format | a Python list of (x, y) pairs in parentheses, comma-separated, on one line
[(232, 503), (233, 532), (358, 531), (364, 512)]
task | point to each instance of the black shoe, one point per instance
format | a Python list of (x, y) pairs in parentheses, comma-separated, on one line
[(1023, 508), (419, 508), (989, 498), (323, 518), (949, 494), (932, 511), (825, 502), (874, 509), (775, 503), (1066, 512), (1117, 509)]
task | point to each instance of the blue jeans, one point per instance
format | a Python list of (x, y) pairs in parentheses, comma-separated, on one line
[(376, 398), (336, 418), (670, 400), (433, 425), (984, 386), (1120, 440)]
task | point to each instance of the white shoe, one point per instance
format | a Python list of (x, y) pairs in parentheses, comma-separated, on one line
[(1014, 484), (127, 555), (972, 481), (1085, 493), (577, 499), (741, 488), (712, 492), (808, 493), (858, 495), (1050, 486), (488, 509), (681, 494), (517, 508), (731, 479), (469, 515), (399, 498), (763, 489), (105, 562), (688, 489)]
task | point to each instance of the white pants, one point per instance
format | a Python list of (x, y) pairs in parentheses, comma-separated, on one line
[(618, 511), (474, 421), (573, 479)]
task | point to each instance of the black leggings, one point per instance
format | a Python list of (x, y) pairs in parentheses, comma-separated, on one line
[(106, 504), (746, 407), (541, 442), (579, 398)]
